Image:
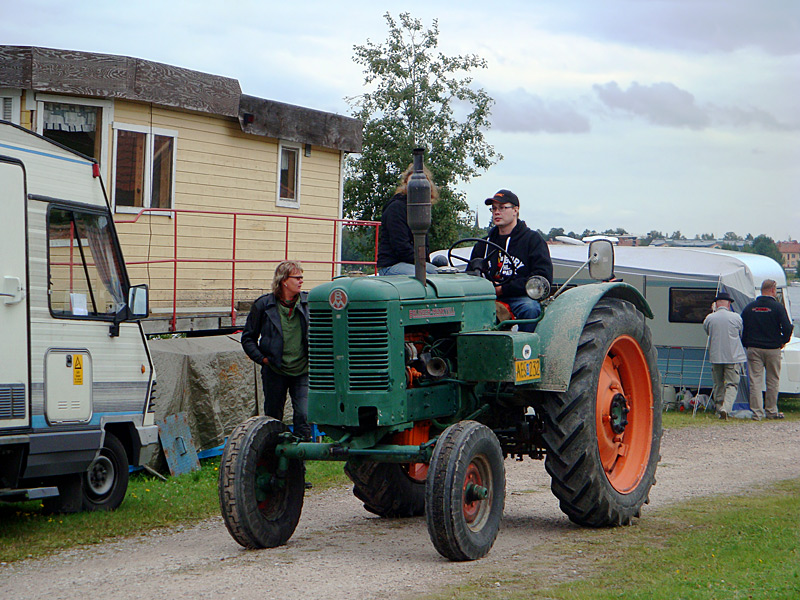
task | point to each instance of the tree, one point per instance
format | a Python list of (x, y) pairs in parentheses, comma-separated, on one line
[(730, 236), (707, 236), (418, 98), (554, 233), (766, 246), (677, 235)]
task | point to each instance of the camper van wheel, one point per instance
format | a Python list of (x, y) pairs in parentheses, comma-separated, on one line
[(387, 489), (604, 433), (260, 505), (465, 491), (69, 496), (106, 480)]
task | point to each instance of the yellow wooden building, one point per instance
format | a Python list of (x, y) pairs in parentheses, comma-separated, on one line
[(210, 188)]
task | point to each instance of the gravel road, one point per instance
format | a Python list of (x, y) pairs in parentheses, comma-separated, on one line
[(340, 551)]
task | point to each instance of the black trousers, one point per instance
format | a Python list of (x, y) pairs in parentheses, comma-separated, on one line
[(275, 388)]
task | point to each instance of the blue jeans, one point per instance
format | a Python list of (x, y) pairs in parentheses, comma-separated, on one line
[(275, 387), (523, 308), (404, 269)]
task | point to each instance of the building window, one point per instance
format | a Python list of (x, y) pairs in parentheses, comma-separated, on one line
[(144, 168), (77, 123), (690, 305), (10, 105), (289, 176)]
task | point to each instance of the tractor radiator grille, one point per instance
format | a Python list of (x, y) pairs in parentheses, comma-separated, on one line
[(12, 401), (320, 342), (368, 350)]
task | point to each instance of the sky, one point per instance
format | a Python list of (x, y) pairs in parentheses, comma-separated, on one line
[(668, 115)]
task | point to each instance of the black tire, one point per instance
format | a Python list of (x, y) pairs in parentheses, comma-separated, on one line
[(106, 480), (616, 423), (386, 489), (463, 527), (70, 497), (257, 515)]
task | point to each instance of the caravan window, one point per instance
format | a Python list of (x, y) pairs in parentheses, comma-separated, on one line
[(86, 276), (690, 305)]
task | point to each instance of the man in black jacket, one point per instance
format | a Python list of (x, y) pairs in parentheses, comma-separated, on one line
[(524, 248), (767, 329), (275, 337)]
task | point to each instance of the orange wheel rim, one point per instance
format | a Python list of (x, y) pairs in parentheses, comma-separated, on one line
[(471, 509), (416, 471), (624, 414)]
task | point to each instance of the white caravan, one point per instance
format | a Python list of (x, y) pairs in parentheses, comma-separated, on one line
[(76, 378), (680, 285)]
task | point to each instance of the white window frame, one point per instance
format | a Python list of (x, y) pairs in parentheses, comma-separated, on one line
[(15, 97), (150, 133), (107, 116), (285, 202)]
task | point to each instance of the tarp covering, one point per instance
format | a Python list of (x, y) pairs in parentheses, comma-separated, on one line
[(210, 379)]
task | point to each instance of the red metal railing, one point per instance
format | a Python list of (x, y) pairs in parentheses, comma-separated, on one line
[(336, 225)]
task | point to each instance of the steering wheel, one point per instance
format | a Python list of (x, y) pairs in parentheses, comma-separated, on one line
[(501, 253)]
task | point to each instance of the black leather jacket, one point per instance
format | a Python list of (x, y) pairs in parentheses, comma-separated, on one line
[(262, 335)]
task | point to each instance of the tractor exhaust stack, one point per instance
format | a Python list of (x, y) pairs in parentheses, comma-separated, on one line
[(418, 213)]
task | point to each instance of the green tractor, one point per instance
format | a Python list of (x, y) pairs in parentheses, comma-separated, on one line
[(424, 394)]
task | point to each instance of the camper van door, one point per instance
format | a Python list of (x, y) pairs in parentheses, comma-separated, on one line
[(13, 305)]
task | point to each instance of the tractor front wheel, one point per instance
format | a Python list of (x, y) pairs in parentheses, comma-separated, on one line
[(465, 492), (260, 502), (603, 434)]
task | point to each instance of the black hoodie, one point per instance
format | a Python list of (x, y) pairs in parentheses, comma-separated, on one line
[(395, 241), (529, 252)]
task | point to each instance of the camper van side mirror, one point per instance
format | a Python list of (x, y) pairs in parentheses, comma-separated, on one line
[(601, 260), (138, 305)]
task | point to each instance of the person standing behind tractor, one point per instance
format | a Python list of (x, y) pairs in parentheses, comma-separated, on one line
[(525, 254), (275, 336), (767, 329), (724, 329), (396, 242)]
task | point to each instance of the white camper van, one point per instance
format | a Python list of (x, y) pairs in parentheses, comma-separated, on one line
[(76, 378)]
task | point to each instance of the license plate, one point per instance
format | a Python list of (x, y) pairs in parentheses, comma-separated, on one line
[(528, 369)]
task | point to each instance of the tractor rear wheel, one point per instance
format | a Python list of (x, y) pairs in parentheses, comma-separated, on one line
[(260, 505), (603, 434), (388, 489), (465, 493)]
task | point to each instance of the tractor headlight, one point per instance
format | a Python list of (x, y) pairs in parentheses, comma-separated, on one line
[(537, 287)]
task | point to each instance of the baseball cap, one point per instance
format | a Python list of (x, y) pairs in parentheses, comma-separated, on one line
[(503, 196)]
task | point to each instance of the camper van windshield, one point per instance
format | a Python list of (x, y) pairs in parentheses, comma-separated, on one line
[(85, 272)]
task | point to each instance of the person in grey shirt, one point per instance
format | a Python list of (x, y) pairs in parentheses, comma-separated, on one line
[(724, 329)]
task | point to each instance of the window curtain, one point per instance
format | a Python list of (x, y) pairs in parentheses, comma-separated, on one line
[(69, 117)]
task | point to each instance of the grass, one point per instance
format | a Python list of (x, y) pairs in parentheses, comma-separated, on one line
[(789, 405), (150, 503), (727, 547)]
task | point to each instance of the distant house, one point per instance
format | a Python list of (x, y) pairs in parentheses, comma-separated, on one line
[(177, 140), (791, 253)]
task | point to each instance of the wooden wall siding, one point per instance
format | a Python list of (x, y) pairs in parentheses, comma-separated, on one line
[(297, 124), (220, 168), (111, 76)]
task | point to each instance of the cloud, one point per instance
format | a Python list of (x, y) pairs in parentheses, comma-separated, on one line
[(661, 103), (520, 111), (667, 105), (688, 25)]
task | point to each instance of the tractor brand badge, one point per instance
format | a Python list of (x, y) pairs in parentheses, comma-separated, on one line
[(526, 352), (338, 299)]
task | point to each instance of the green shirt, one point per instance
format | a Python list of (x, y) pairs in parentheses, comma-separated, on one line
[(294, 360)]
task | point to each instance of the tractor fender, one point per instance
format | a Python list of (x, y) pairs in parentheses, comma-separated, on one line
[(562, 324)]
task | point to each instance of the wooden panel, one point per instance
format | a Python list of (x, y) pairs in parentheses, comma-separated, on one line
[(298, 124), (111, 76)]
